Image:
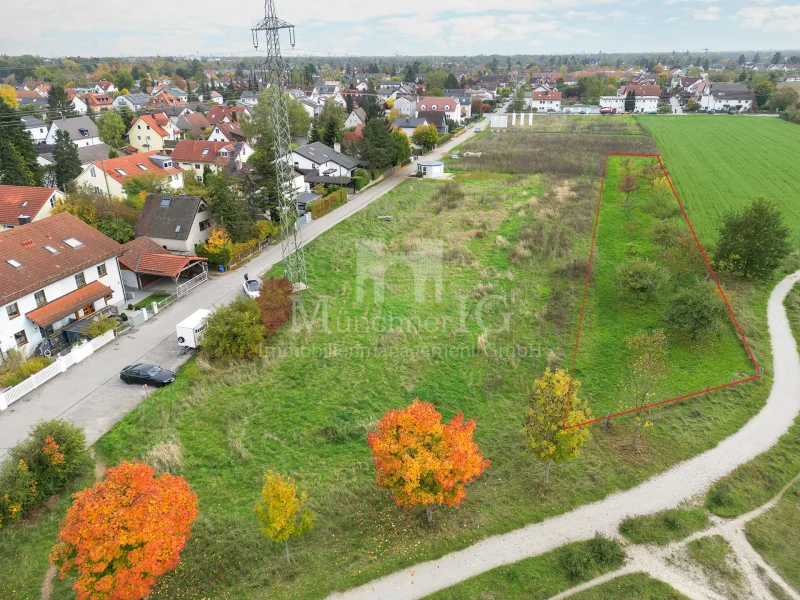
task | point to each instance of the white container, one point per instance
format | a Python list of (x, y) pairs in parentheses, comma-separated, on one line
[(190, 331)]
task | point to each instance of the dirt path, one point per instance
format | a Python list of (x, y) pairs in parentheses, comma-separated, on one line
[(52, 570), (666, 490)]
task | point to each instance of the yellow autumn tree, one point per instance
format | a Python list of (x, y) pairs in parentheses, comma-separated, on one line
[(218, 248), (390, 102), (547, 431), (8, 95), (282, 512)]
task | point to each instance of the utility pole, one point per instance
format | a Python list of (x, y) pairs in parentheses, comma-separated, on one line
[(275, 69)]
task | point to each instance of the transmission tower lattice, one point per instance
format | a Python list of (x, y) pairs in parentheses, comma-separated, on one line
[(275, 70)]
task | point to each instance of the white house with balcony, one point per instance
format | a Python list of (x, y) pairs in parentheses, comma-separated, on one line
[(446, 104), (108, 176), (54, 273)]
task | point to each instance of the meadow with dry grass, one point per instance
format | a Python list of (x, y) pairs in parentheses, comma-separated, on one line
[(510, 237)]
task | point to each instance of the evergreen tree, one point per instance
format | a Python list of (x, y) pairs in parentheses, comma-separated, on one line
[(58, 104), (349, 103), (332, 133), (451, 83), (378, 149), (369, 102), (314, 135), (228, 209), (68, 163), (18, 165)]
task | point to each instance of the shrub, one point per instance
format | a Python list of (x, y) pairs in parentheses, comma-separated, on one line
[(444, 138), (325, 205), (275, 302), (364, 173), (234, 331), (40, 466), (577, 563), (218, 249), (605, 551), (21, 371), (266, 230), (100, 326), (242, 248), (359, 182), (695, 311)]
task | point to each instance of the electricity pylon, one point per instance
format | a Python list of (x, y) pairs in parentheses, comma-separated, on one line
[(275, 69)]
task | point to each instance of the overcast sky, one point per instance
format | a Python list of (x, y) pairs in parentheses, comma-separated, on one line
[(381, 27)]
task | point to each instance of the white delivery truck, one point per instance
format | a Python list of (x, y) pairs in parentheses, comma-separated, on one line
[(190, 331)]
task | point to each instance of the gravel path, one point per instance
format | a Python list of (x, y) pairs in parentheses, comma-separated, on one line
[(682, 482)]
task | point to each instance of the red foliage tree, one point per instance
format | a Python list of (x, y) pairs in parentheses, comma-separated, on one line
[(125, 531), (422, 460), (627, 186), (275, 302)]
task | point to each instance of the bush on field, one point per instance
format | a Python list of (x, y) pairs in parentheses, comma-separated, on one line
[(275, 303), (363, 173), (234, 331), (266, 230), (581, 562), (359, 183), (100, 326), (325, 205), (18, 370), (40, 466), (444, 138), (240, 249)]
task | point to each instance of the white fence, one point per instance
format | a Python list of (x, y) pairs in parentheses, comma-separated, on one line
[(62, 363)]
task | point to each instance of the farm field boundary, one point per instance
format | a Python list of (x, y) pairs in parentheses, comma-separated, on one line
[(713, 275)]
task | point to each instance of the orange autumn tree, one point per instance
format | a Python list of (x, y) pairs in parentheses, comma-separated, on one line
[(422, 460), (124, 532)]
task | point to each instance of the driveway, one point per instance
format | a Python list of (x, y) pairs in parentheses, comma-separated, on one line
[(686, 480), (91, 395), (676, 106)]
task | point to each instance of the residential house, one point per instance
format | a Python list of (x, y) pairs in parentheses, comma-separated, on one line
[(105, 87), (176, 223), (77, 103), (544, 101), (87, 154), (163, 100), (357, 117), (406, 104), (36, 128), (642, 104), (446, 104), (323, 159), (226, 114), (330, 91), (213, 96), (145, 262), (31, 98), (196, 155), (194, 123), (109, 175), (54, 272), (248, 98), (149, 132), (434, 117), (226, 132), (97, 103), (82, 131), (640, 90), (407, 124), (21, 204), (726, 97), (135, 102)]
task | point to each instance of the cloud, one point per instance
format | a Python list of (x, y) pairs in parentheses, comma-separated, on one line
[(671, 2), (771, 18), (672, 19), (709, 14)]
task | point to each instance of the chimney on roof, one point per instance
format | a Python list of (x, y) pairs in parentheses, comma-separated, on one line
[(24, 219)]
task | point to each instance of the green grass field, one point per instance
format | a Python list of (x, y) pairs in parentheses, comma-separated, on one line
[(306, 407), (721, 163), (636, 586), (664, 527)]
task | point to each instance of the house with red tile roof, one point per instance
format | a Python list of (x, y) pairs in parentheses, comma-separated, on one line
[(21, 204), (146, 263), (97, 102), (108, 176), (226, 114), (149, 132), (226, 132), (196, 155), (544, 101), (450, 106), (163, 100), (54, 272)]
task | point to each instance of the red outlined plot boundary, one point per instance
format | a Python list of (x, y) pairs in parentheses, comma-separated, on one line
[(586, 288)]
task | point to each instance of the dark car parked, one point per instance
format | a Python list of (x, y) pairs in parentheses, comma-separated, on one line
[(148, 374)]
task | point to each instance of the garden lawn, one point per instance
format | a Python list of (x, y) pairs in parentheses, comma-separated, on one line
[(636, 586), (719, 163), (146, 302), (512, 243)]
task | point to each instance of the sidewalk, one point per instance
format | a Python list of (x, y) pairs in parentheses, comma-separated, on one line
[(91, 395)]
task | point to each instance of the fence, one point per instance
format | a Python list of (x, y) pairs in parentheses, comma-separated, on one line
[(62, 363), (257, 249)]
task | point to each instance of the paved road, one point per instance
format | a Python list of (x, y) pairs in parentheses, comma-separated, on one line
[(676, 106), (91, 395), (667, 490)]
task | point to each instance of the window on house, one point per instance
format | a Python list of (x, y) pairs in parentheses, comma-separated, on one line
[(73, 243), (12, 310), (101, 270), (21, 338), (168, 165), (24, 204), (141, 166), (14, 263), (52, 201), (178, 229), (40, 298), (80, 280), (200, 179), (205, 151), (51, 250), (138, 127), (166, 202), (92, 172), (121, 172), (147, 138)]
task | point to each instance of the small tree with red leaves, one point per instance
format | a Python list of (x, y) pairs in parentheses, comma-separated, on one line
[(422, 460), (124, 532), (627, 186)]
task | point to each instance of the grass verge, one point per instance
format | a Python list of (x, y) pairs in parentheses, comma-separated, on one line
[(664, 527), (636, 586), (542, 576), (146, 302), (715, 555)]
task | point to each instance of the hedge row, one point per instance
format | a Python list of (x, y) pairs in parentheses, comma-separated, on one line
[(325, 205), (20, 372), (40, 466)]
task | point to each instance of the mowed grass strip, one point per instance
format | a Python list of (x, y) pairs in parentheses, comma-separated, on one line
[(720, 163), (664, 527), (636, 586)]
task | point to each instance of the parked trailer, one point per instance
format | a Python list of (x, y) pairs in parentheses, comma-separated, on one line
[(190, 331)]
